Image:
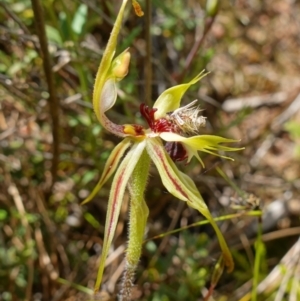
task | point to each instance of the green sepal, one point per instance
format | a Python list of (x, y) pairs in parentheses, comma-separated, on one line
[(170, 99), (178, 184), (106, 61), (119, 183), (110, 167)]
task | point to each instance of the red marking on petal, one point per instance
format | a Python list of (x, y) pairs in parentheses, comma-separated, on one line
[(112, 163), (148, 114), (176, 150), (115, 198), (173, 180), (139, 130), (157, 126), (164, 125)]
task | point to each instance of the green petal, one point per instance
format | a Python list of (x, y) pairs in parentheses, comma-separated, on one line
[(211, 142), (110, 167), (182, 187), (203, 143), (170, 99), (120, 181)]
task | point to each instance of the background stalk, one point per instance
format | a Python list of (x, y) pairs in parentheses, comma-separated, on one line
[(52, 100)]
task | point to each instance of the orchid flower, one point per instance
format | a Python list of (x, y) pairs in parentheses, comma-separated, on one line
[(172, 136)]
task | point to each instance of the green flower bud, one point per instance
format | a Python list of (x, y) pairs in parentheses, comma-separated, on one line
[(212, 7), (120, 64)]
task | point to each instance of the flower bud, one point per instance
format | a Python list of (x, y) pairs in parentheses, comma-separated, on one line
[(137, 8), (119, 66), (212, 7)]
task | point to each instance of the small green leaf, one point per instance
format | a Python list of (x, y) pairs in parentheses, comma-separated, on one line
[(6, 296), (73, 122), (14, 68), (85, 120), (96, 129), (293, 128), (32, 218), (89, 176), (15, 144), (151, 247), (3, 214), (212, 7), (79, 19), (53, 35), (91, 220)]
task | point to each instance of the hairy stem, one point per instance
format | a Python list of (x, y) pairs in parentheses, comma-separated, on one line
[(137, 223)]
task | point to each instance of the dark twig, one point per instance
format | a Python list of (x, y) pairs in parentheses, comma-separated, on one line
[(14, 17), (148, 58), (53, 100), (197, 44), (25, 30)]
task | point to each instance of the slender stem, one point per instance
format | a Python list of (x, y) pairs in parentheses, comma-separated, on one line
[(257, 213), (14, 192), (21, 24), (259, 253), (15, 17), (197, 44), (148, 58), (52, 100)]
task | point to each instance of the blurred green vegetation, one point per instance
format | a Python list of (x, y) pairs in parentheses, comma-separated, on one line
[(49, 244)]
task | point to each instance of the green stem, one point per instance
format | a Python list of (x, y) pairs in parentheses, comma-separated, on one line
[(137, 223), (259, 253)]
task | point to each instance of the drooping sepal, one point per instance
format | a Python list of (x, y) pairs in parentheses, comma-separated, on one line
[(110, 167), (182, 187), (120, 181)]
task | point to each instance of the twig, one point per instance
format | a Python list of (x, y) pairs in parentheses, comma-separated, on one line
[(197, 44), (237, 104), (292, 109), (275, 277), (44, 258), (53, 100), (14, 192), (148, 58), (295, 282), (9, 85), (14, 17), (98, 10)]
